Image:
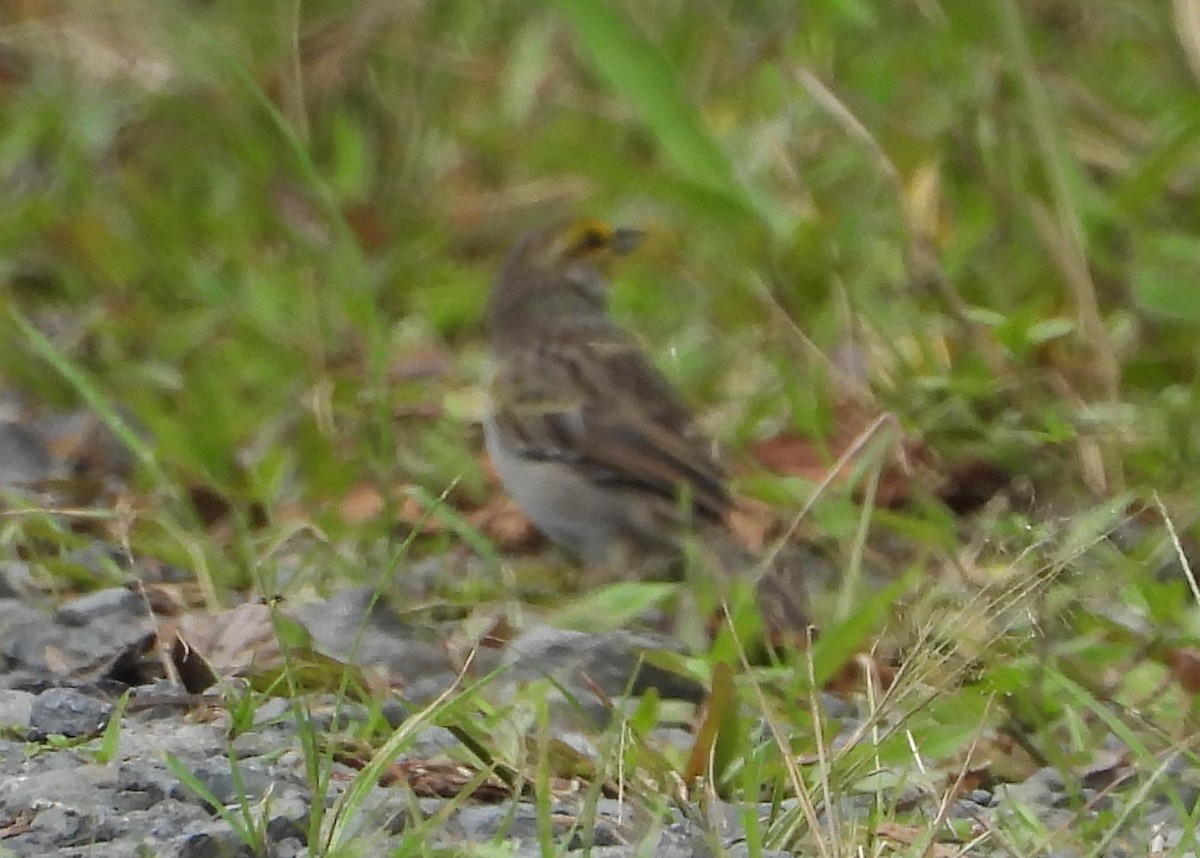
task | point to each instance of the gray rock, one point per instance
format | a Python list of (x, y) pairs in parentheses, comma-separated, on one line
[(25, 633), (68, 807), (333, 716), (432, 742), (151, 739), (517, 824), (68, 712), (512, 822), (1041, 789), (581, 662), (1050, 779), (289, 848), (142, 784), (395, 712), (12, 757), (17, 580), (16, 709), (112, 602), (74, 826), (23, 459), (355, 626), (835, 706), (163, 699), (164, 820), (256, 744), (383, 813), (288, 817), (212, 840), (273, 712), (982, 797), (250, 783)]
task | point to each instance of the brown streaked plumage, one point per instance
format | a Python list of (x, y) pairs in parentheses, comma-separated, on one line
[(586, 433)]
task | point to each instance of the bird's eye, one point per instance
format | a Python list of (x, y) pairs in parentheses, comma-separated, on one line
[(589, 236), (592, 239)]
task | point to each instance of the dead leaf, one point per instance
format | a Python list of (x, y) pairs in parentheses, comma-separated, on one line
[(499, 635), (133, 664), (232, 641), (444, 780), (1184, 663), (363, 502), (751, 522), (792, 455), (369, 227), (426, 778), (249, 642), (853, 674), (506, 525), (964, 486), (910, 834), (214, 508), (968, 485), (429, 362), (173, 599), (18, 824), (1105, 769)]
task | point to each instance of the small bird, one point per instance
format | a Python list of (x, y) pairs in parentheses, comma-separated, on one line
[(586, 434), (589, 437)]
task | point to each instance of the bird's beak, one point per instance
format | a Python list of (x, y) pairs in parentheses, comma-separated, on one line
[(625, 240)]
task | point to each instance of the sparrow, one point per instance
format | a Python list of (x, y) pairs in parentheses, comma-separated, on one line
[(586, 433)]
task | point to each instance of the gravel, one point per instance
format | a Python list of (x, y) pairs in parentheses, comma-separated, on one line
[(186, 779)]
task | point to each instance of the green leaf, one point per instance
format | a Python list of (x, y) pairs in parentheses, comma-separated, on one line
[(640, 72), (720, 721), (613, 606), (1166, 276), (111, 737), (839, 642), (1049, 329)]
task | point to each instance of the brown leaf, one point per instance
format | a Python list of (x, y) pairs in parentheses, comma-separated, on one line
[(367, 501), (18, 824), (854, 673), (132, 664), (1184, 663), (194, 672), (369, 227), (964, 486), (362, 503), (910, 834), (1105, 769), (430, 779), (791, 455), (430, 362), (977, 777), (232, 641), (426, 778), (751, 522), (214, 508), (503, 522), (174, 599), (970, 484), (499, 635)]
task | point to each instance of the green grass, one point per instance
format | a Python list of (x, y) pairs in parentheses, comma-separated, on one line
[(232, 229)]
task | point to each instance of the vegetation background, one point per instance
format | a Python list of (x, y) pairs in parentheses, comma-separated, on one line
[(255, 239)]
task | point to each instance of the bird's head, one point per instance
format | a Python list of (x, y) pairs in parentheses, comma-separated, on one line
[(558, 272)]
